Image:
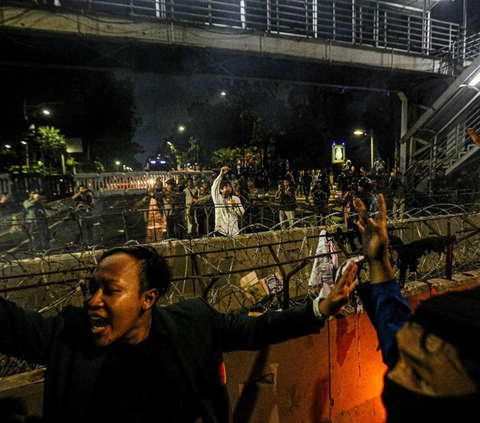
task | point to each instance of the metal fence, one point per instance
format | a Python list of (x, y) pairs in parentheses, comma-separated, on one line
[(369, 23), (57, 187)]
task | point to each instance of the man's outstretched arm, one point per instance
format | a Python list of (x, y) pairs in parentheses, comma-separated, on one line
[(242, 332), (24, 334)]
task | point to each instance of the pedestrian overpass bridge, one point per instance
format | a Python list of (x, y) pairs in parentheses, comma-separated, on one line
[(383, 35)]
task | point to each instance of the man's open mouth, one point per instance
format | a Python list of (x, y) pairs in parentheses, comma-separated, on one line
[(98, 323)]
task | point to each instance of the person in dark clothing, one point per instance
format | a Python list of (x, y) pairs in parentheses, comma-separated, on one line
[(306, 180), (365, 193), (432, 355), (173, 203), (84, 215), (288, 204), (397, 191), (205, 209), (320, 202), (265, 181), (122, 358), (252, 209)]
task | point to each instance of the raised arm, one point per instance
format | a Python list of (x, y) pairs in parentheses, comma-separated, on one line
[(381, 297), (216, 185)]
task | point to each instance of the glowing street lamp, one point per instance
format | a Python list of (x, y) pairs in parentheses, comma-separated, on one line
[(181, 128), (363, 132)]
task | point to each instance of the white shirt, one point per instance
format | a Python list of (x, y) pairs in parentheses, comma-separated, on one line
[(226, 212)]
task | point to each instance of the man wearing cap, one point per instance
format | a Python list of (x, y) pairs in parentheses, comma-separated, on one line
[(228, 207), (433, 354)]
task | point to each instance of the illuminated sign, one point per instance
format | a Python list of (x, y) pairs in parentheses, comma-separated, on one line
[(338, 153)]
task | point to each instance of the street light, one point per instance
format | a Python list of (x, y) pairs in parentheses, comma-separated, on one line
[(363, 132), (181, 128), (46, 112)]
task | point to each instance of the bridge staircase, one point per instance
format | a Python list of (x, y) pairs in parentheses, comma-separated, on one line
[(439, 138)]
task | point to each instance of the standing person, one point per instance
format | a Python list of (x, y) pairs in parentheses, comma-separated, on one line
[(365, 193), (30, 215), (397, 190), (83, 213), (173, 203), (320, 202), (228, 207), (204, 209), (288, 203), (182, 182), (306, 185), (36, 225), (191, 194), (252, 210), (324, 176), (239, 185), (432, 355), (121, 358), (265, 181)]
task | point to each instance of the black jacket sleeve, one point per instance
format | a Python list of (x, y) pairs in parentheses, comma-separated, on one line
[(24, 334)]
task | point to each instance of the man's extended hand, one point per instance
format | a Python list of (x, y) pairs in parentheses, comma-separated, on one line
[(224, 170), (340, 294), (375, 240), (475, 137)]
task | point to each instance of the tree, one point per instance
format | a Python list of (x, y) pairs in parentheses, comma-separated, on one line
[(227, 157), (51, 145), (94, 106)]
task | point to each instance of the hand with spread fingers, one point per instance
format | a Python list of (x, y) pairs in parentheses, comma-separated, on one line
[(340, 295), (473, 134), (375, 240)]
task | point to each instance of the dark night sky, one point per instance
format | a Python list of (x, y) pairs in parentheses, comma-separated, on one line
[(162, 103)]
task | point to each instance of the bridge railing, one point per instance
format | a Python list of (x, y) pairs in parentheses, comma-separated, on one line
[(371, 23)]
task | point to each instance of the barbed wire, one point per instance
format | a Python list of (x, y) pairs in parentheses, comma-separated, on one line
[(215, 267)]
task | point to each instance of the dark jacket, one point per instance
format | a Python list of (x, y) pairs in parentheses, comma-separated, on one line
[(198, 332)]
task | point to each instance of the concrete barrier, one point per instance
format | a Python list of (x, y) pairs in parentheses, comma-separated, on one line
[(335, 376)]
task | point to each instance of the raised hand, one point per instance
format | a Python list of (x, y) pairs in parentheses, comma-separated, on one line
[(375, 240), (475, 137), (374, 232), (340, 294), (224, 170)]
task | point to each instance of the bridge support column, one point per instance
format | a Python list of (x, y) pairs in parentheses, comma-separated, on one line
[(402, 147)]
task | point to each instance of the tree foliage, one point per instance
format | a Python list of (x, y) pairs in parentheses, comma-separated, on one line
[(51, 145), (94, 106)]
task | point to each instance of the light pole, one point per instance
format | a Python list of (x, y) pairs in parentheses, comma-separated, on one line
[(372, 150)]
